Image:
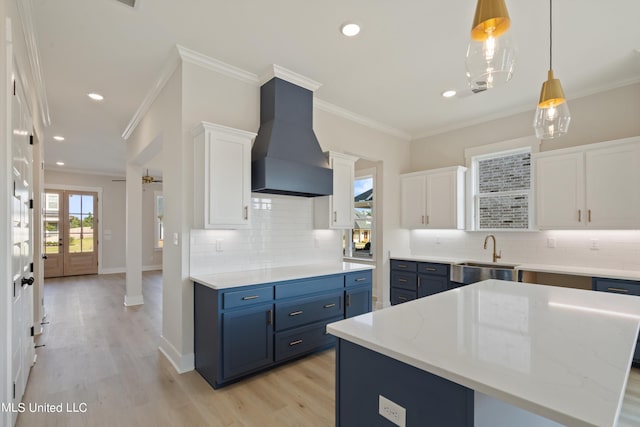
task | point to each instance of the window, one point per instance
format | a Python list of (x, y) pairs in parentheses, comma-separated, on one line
[(361, 238), (159, 225), (502, 190)]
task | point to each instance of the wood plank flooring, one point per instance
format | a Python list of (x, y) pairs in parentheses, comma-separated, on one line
[(99, 352)]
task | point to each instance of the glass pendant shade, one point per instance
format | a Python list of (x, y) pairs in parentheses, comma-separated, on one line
[(491, 54), (552, 115)]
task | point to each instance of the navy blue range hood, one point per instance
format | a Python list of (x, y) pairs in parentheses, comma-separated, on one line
[(286, 157)]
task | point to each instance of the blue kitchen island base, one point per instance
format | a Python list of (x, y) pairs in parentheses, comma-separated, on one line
[(362, 376)]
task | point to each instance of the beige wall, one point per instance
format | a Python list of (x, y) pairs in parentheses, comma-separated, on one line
[(112, 221), (601, 117)]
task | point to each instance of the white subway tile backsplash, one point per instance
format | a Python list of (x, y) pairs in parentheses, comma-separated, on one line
[(617, 249), (281, 234)]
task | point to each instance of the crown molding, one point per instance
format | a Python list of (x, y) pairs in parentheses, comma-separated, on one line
[(26, 17), (365, 121), (167, 71), (94, 172), (290, 76), (193, 57)]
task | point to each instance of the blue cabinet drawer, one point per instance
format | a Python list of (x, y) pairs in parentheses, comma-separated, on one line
[(303, 340), (308, 310), (246, 297), (400, 279), (359, 278), (404, 265), (398, 296), (627, 287), (309, 286), (432, 268)]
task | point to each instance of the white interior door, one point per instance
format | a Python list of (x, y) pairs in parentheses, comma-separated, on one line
[(22, 245)]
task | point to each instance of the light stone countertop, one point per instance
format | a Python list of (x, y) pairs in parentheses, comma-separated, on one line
[(276, 274), (561, 353)]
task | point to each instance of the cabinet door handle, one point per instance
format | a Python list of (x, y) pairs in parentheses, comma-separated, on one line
[(427, 219), (579, 215), (622, 291), (418, 281), (329, 305), (348, 300), (589, 215), (246, 212), (296, 342), (361, 279), (402, 280), (270, 317), (295, 313), (250, 297), (423, 219), (335, 216)]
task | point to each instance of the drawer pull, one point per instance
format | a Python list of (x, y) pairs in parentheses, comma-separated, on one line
[(295, 313), (430, 269), (623, 291), (329, 305), (402, 280), (403, 266), (250, 297), (296, 342), (402, 299), (361, 279)]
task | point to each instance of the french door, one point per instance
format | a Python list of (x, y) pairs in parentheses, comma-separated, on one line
[(70, 233)]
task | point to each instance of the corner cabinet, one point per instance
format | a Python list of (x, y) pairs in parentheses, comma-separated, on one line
[(336, 211), (433, 199), (222, 176), (592, 186), (243, 330)]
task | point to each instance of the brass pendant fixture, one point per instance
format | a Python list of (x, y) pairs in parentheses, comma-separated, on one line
[(491, 54), (552, 117)]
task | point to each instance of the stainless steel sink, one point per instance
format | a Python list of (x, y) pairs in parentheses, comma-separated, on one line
[(471, 272)]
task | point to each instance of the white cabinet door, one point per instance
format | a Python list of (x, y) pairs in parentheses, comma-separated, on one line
[(413, 192), (342, 199), (222, 181), (441, 200), (336, 211), (560, 191), (612, 187)]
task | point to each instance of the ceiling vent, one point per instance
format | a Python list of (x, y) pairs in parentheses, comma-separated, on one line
[(130, 3)]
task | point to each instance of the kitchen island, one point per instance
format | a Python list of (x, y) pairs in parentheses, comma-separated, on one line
[(489, 354)]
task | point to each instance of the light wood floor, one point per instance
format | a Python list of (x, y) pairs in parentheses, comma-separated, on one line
[(103, 354)]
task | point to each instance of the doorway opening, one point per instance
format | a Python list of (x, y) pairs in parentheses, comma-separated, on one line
[(70, 233)]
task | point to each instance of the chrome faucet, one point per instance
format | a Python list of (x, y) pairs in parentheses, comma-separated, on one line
[(495, 255)]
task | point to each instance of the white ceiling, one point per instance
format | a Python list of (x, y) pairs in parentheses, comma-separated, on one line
[(393, 73)]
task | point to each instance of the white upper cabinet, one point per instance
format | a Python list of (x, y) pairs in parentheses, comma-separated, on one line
[(594, 186), (433, 199), (336, 211), (222, 176)]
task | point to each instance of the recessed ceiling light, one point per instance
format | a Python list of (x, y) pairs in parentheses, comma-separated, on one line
[(449, 93), (95, 96), (58, 138), (60, 163), (350, 29)]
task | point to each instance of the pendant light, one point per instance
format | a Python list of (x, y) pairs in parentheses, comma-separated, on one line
[(552, 115), (491, 53)]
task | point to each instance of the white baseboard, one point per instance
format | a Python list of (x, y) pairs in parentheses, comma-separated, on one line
[(130, 300), (116, 270), (181, 363)]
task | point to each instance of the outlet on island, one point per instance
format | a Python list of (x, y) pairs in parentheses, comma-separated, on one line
[(392, 411)]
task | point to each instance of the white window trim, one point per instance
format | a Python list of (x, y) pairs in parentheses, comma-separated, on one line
[(473, 154), (363, 174)]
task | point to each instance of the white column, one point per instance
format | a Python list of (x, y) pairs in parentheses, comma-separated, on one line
[(134, 236)]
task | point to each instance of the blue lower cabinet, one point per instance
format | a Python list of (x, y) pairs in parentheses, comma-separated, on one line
[(410, 280), (244, 330), (357, 301), (430, 284), (247, 340)]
